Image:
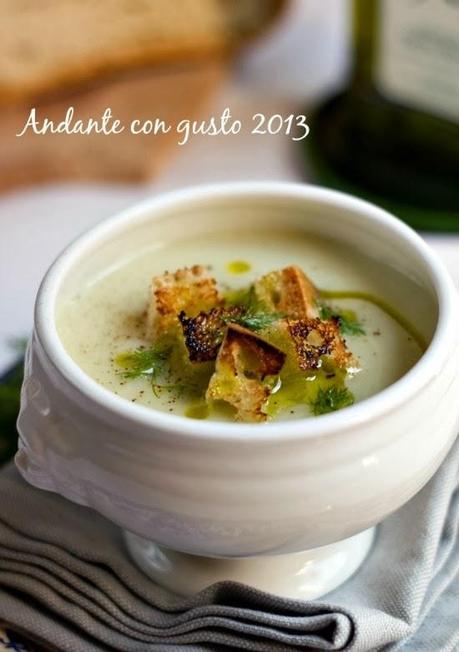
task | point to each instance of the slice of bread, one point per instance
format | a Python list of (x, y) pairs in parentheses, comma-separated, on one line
[(168, 92), (47, 44)]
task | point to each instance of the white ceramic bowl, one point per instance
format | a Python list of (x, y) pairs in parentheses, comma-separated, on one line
[(235, 490)]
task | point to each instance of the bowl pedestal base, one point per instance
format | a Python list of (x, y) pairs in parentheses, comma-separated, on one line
[(303, 575)]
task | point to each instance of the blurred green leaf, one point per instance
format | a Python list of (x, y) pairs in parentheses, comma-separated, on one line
[(10, 391)]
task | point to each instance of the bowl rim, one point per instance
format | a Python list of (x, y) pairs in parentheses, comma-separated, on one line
[(392, 397)]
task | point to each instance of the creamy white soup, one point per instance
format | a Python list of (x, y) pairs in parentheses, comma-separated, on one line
[(376, 309)]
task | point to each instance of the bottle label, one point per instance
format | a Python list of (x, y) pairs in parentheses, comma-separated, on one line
[(417, 63)]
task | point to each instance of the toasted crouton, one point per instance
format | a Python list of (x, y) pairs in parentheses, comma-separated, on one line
[(204, 333), (243, 362), (288, 291), (188, 290), (314, 338)]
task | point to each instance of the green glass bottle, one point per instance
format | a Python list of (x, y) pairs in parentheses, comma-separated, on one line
[(393, 135)]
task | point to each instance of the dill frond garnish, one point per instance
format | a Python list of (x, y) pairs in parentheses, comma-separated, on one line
[(255, 321), (331, 399), (253, 314), (349, 326), (347, 319), (143, 363)]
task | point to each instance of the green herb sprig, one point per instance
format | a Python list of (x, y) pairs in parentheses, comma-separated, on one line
[(254, 321), (347, 319), (331, 399), (10, 392), (153, 364), (253, 315), (143, 363)]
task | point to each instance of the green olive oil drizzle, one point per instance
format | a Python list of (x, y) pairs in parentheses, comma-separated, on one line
[(238, 267), (384, 306), (197, 411), (324, 389)]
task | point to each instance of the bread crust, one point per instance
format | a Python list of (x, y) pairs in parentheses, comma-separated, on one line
[(204, 333), (315, 338), (288, 291), (136, 36), (166, 93), (243, 362), (189, 290)]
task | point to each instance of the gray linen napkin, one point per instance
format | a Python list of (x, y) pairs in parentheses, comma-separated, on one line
[(66, 579)]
